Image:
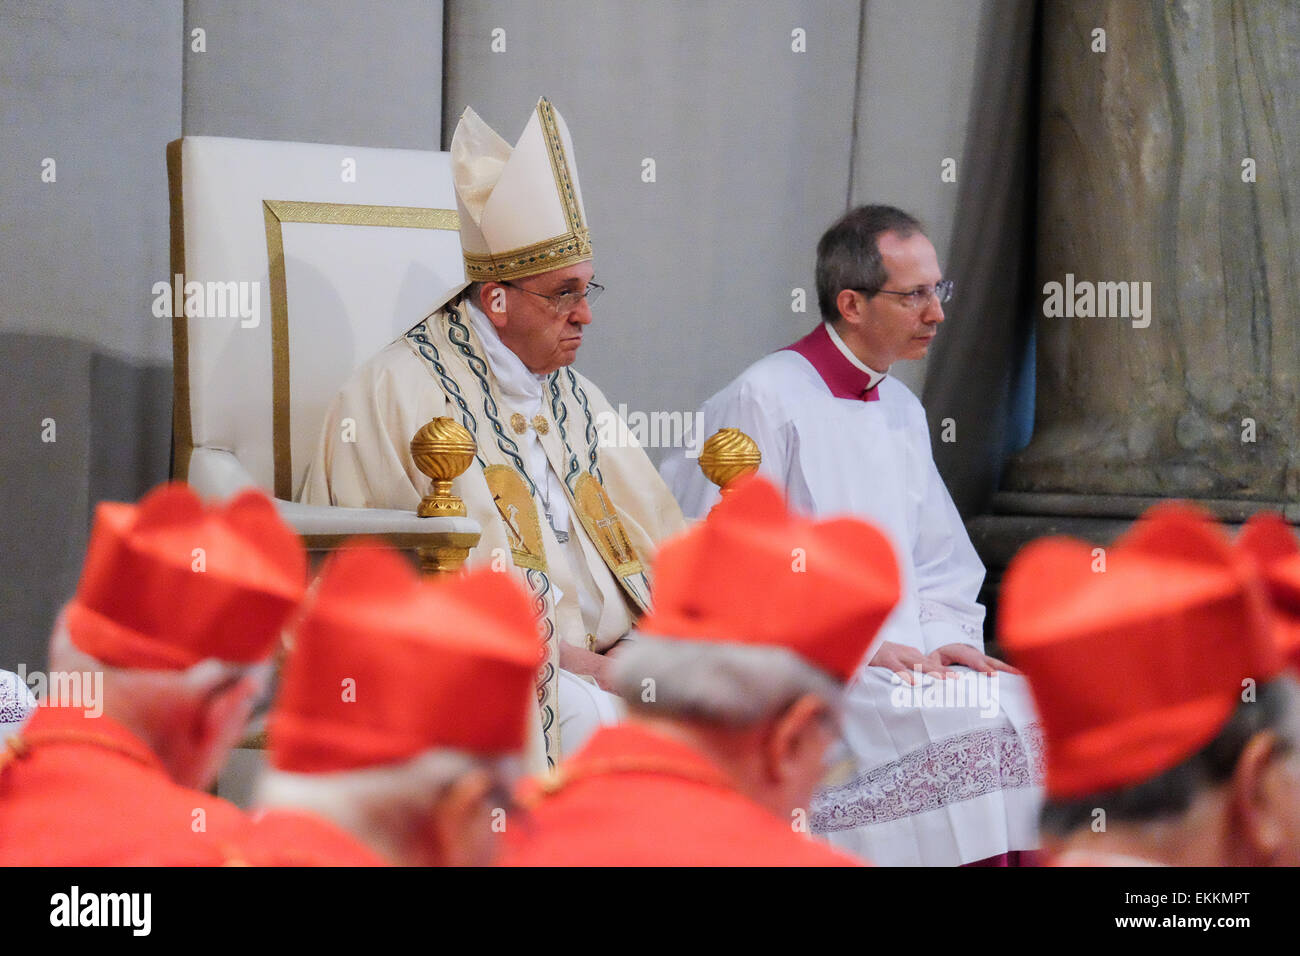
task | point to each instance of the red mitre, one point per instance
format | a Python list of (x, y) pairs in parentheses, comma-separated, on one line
[(170, 581), (385, 665), (1137, 654), (753, 572)]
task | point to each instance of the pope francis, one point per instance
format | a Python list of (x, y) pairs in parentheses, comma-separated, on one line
[(575, 517)]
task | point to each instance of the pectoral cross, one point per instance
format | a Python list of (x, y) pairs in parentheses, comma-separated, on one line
[(560, 536)]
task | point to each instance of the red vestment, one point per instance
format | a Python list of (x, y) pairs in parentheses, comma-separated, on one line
[(84, 791), (632, 797)]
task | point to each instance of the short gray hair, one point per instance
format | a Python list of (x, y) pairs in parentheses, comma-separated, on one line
[(471, 294), (848, 253), (385, 807), (733, 685)]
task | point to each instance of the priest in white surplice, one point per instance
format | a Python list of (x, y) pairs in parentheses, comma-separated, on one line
[(943, 740), (576, 518)]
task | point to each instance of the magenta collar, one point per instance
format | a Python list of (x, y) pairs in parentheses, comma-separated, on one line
[(842, 377)]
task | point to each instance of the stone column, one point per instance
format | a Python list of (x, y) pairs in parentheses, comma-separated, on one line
[(1170, 162), (1169, 154)]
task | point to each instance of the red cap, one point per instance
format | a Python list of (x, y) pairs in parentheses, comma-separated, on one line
[(1137, 662), (1268, 539), (385, 665), (753, 572), (170, 581)]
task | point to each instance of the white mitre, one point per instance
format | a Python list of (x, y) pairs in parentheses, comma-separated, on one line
[(520, 209)]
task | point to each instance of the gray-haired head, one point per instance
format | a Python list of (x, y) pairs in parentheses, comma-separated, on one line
[(390, 807), (727, 685), (848, 253)]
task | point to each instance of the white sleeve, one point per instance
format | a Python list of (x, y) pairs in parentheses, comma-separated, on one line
[(740, 405), (948, 570)]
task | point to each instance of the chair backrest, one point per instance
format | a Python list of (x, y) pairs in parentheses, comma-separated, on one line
[(299, 262)]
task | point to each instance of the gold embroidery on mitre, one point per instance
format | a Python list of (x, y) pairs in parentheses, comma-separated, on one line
[(565, 250), (571, 247), (560, 166), (519, 515), (604, 526), (541, 424)]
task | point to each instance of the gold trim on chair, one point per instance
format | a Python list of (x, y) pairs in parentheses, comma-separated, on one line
[(182, 430), (401, 540), (279, 211)]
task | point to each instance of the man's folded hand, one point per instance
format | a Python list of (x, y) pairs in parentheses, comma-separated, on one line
[(905, 661), (578, 660), (967, 656)]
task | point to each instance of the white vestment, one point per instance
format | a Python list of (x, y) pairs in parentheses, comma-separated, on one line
[(935, 781), (454, 364), (16, 704)]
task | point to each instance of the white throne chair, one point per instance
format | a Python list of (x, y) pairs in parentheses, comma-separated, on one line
[(313, 258)]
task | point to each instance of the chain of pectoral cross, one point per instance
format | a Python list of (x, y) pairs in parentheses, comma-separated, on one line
[(560, 536)]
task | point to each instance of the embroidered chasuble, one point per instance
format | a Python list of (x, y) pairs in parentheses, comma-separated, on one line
[(607, 500)]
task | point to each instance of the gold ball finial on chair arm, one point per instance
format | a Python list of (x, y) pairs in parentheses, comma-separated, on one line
[(727, 455), (442, 449)]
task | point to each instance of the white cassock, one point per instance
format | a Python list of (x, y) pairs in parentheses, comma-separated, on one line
[(940, 776)]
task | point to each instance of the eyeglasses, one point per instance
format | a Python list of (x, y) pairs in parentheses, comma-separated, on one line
[(917, 299), (566, 302)]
